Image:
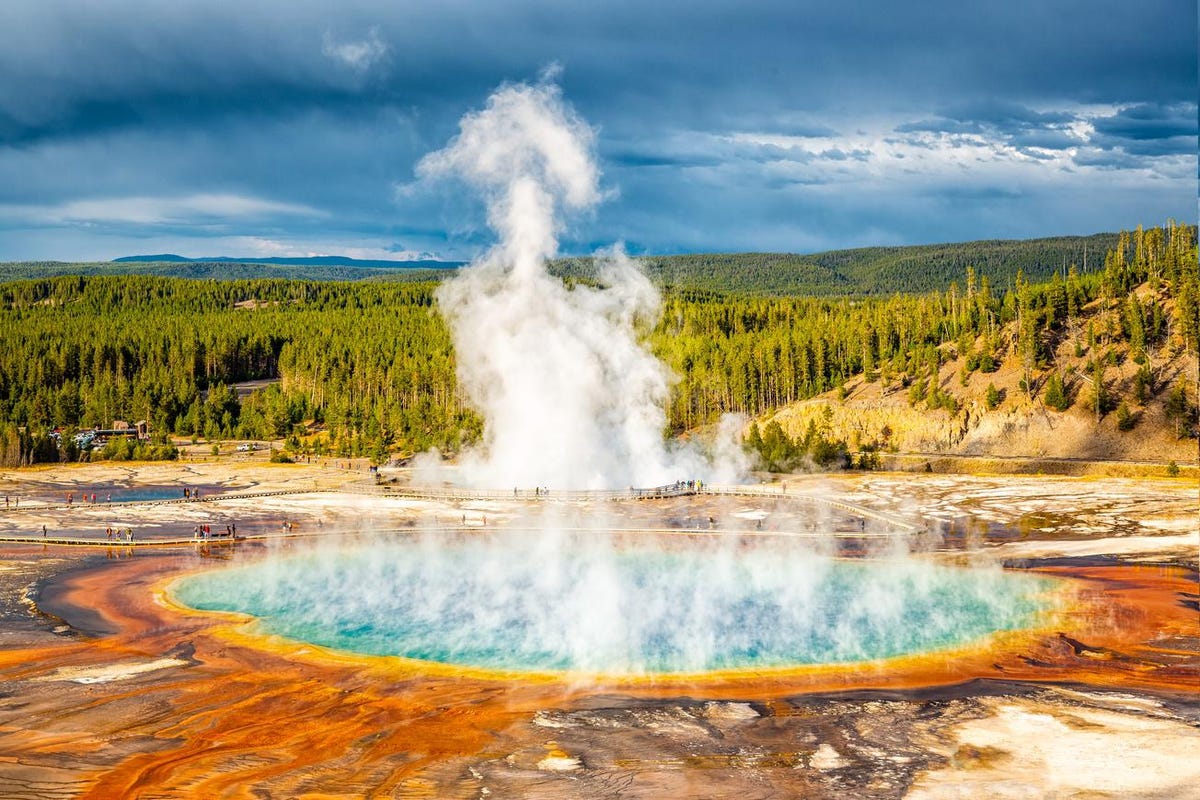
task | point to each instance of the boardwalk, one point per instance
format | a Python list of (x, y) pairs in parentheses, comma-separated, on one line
[(779, 491), (893, 525)]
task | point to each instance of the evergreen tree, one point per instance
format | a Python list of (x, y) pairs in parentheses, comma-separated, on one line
[(1055, 394), (993, 397)]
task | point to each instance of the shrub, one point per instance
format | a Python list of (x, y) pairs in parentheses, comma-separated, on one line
[(1125, 418), (993, 398), (869, 459), (916, 392)]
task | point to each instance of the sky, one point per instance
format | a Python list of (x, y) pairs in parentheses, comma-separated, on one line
[(292, 127)]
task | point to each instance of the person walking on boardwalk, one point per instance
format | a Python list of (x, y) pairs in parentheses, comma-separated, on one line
[(43, 531)]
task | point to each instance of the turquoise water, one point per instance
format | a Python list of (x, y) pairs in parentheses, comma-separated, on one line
[(121, 493), (578, 603)]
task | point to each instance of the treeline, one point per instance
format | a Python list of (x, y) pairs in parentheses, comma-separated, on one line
[(873, 271), (217, 270), (371, 363)]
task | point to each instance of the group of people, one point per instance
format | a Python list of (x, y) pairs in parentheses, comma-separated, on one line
[(90, 499), (14, 503), (205, 531), (191, 494), (118, 534), (538, 491)]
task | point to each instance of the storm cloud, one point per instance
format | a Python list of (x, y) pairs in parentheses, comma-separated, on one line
[(295, 127)]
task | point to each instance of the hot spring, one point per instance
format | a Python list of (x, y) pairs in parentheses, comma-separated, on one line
[(593, 603)]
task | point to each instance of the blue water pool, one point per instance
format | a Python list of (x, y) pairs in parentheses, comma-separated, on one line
[(586, 603), (118, 493)]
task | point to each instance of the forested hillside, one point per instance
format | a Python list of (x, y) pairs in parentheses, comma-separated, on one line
[(370, 364), (870, 270), (213, 270), (1099, 367), (865, 271)]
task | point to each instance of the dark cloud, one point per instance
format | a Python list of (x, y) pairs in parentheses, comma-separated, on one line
[(1147, 121), (1149, 130), (1005, 115), (701, 61), (941, 125), (1003, 122)]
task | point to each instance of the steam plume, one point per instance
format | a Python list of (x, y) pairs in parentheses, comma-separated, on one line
[(570, 393)]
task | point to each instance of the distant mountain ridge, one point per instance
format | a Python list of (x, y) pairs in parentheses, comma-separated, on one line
[(293, 261)]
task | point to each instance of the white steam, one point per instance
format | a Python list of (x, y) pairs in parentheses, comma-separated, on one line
[(571, 396)]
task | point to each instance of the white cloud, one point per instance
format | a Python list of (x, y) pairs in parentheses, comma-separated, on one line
[(196, 208), (365, 251), (358, 55)]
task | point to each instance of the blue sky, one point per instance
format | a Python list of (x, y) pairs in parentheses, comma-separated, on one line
[(293, 128)]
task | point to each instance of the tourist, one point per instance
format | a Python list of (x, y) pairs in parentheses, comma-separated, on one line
[(43, 531)]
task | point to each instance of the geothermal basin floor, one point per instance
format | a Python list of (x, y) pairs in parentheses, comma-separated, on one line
[(106, 691)]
